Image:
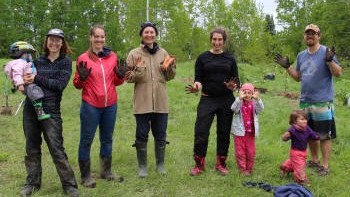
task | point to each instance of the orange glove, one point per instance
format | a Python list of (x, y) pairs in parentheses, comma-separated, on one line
[(168, 61)]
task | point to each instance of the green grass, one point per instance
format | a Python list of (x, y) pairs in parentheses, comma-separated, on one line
[(271, 151)]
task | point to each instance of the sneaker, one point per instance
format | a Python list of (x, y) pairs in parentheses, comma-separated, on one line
[(312, 164), (322, 171), (29, 190)]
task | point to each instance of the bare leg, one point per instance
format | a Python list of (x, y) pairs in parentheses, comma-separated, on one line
[(326, 149), (313, 146)]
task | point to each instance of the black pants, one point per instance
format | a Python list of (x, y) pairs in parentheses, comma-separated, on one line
[(157, 122), (207, 108), (52, 133)]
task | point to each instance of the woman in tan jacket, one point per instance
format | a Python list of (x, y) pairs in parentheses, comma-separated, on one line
[(149, 68)]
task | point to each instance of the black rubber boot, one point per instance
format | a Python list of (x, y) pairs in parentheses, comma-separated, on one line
[(71, 191), (28, 190), (66, 174), (141, 150), (160, 153), (86, 179), (106, 163), (34, 171)]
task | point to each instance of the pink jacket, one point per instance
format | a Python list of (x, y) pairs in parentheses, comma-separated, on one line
[(99, 88), (15, 69)]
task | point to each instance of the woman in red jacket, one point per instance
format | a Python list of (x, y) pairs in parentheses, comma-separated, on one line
[(97, 75)]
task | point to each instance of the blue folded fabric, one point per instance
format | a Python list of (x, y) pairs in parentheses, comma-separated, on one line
[(291, 190), (288, 190)]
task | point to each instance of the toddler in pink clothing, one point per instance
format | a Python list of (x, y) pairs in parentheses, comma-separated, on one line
[(245, 126), (16, 69), (299, 133)]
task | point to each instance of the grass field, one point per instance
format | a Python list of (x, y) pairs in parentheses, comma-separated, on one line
[(271, 151)]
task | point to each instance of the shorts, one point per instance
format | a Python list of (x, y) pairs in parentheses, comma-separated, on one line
[(321, 118)]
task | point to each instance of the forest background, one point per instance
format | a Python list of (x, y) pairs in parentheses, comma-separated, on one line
[(184, 25)]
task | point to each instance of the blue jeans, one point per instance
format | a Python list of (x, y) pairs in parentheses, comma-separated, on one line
[(90, 117), (156, 121)]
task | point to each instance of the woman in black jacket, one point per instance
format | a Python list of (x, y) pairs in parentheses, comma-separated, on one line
[(216, 76), (54, 69)]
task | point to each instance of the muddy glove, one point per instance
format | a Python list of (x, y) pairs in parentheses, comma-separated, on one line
[(121, 70), (169, 60), (83, 71), (193, 88), (283, 61), (330, 53), (231, 84)]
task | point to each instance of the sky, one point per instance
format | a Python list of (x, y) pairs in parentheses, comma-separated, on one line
[(269, 6)]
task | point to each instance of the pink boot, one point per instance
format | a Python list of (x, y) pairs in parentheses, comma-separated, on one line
[(221, 165), (199, 167)]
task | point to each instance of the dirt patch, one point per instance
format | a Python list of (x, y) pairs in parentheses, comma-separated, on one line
[(261, 90), (290, 95)]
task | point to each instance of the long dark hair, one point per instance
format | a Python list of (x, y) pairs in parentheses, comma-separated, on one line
[(65, 49)]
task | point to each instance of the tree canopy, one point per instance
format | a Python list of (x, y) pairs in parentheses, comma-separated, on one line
[(184, 25)]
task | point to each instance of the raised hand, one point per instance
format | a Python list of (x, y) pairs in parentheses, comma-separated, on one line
[(330, 53), (242, 94), (138, 62), (120, 70), (193, 88), (231, 84), (256, 94), (283, 61), (83, 71), (170, 59)]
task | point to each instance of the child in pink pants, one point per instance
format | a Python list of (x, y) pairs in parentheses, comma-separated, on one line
[(299, 133), (245, 127)]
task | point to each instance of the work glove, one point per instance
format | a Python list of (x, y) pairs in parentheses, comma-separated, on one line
[(121, 70), (170, 59), (330, 53), (283, 61), (83, 71)]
